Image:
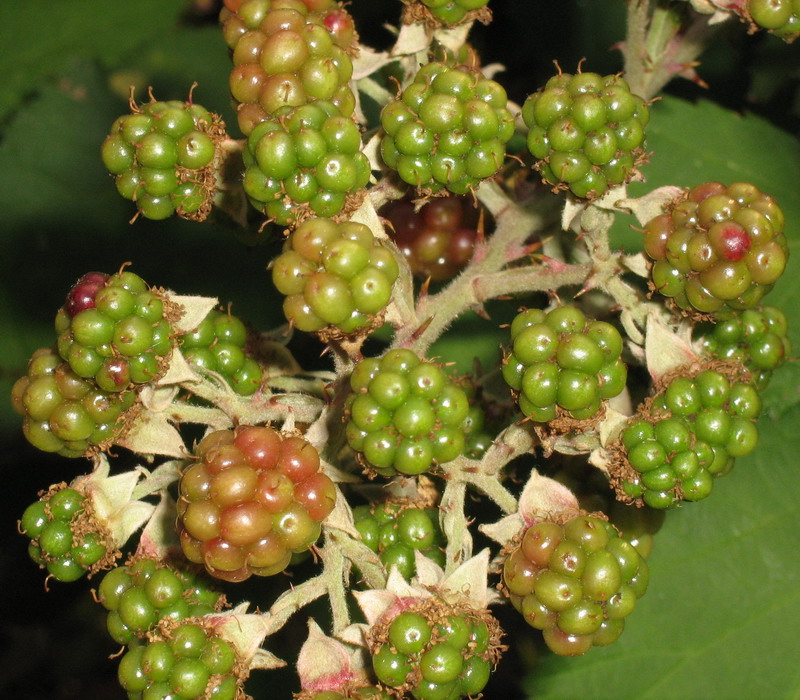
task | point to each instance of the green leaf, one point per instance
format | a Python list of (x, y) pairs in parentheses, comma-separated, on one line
[(38, 35), (720, 617)]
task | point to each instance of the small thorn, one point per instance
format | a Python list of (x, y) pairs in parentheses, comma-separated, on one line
[(417, 333)]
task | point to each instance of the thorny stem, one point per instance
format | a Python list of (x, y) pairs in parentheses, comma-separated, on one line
[(484, 278), (660, 45)]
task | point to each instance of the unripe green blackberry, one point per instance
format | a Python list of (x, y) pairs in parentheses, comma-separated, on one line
[(65, 413), (337, 278), (446, 12), (447, 130), (685, 436), (396, 529), (755, 338), (164, 156), (219, 344), (717, 249), (586, 132), (66, 538), (562, 362), (115, 330), (404, 415), (779, 17), (144, 592), (187, 660), (305, 161), (432, 649), (252, 498), (288, 53), (576, 581)]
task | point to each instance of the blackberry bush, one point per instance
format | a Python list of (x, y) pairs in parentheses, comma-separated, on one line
[(462, 388), (689, 433), (755, 338), (397, 529), (576, 581), (287, 53), (145, 592), (561, 363), (163, 156), (115, 330), (447, 130), (305, 161), (586, 132), (718, 249), (66, 537), (337, 278), (252, 498), (404, 414), (219, 344)]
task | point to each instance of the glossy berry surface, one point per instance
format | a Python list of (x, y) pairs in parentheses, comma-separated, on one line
[(219, 344), (162, 156), (756, 338), (438, 240), (337, 278), (252, 499), (65, 413), (288, 54), (576, 581), (717, 249), (396, 530), (447, 130), (122, 339), (65, 537), (562, 360), (305, 161), (404, 415), (586, 132), (186, 661), (780, 17), (447, 12), (139, 595), (435, 651), (689, 434)]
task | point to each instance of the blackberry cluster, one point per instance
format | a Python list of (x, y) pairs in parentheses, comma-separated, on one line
[(576, 581), (755, 338), (287, 53), (115, 330), (404, 414), (139, 595), (186, 661), (65, 413), (219, 344), (586, 132), (251, 499), (439, 239), (65, 537), (434, 650), (163, 155), (780, 17), (687, 435), (562, 361), (395, 530), (447, 130), (717, 249), (447, 12), (305, 161), (337, 278)]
